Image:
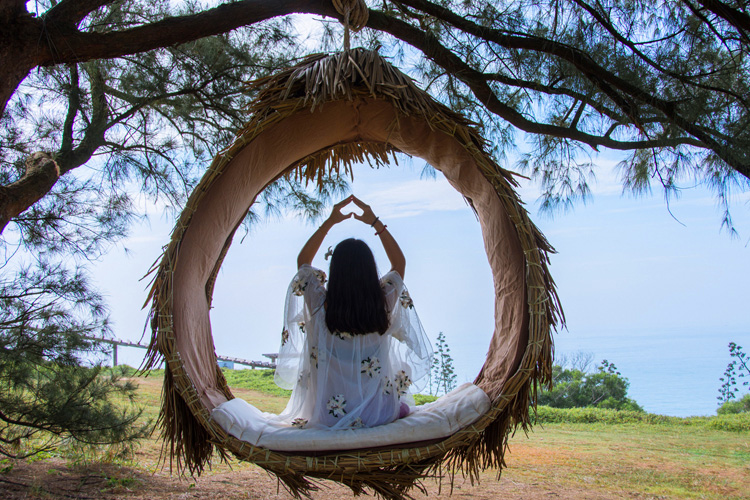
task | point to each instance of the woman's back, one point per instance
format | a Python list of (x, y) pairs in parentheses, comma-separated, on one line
[(353, 381), (349, 354), (344, 380)]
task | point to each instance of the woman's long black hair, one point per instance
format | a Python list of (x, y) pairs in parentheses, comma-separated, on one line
[(355, 302)]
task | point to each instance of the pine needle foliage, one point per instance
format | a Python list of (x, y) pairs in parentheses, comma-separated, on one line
[(50, 393)]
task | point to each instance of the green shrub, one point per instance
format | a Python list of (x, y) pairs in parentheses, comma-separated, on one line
[(420, 399), (739, 406), (121, 370), (591, 415), (739, 422), (576, 388), (442, 374)]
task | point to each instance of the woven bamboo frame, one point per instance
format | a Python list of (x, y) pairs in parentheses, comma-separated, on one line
[(191, 436)]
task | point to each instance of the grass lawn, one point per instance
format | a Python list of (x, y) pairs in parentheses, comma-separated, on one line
[(556, 460), (637, 460)]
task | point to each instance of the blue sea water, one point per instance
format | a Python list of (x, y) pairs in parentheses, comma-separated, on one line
[(671, 371)]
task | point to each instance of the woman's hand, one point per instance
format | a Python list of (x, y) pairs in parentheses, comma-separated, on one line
[(392, 250), (313, 244), (368, 216), (336, 214)]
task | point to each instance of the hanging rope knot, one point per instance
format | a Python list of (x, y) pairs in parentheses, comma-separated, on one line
[(355, 16)]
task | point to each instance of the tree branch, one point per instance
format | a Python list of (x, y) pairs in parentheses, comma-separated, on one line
[(41, 174), (65, 45), (477, 83), (595, 73), (687, 79), (71, 12), (607, 82), (27, 42), (552, 90), (74, 104), (96, 129), (736, 18)]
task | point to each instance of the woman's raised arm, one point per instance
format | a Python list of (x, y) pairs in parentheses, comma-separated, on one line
[(310, 248), (392, 250)]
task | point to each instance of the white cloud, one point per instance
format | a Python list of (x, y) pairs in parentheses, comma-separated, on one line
[(413, 198)]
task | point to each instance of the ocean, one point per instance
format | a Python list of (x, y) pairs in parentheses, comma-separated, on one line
[(671, 371)]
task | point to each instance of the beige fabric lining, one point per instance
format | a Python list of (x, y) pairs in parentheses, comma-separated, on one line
[(270, 154)]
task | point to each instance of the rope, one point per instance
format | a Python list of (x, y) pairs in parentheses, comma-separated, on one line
[(355, 16)]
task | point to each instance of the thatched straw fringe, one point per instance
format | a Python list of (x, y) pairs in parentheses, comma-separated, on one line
[(333, 160), (190, 434)]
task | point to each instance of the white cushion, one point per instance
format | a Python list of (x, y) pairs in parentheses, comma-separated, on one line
[(452, 412)]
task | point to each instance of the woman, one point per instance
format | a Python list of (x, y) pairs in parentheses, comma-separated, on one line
[(350, 353)]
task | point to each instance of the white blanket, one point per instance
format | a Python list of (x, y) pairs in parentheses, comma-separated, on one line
[(436, 420)]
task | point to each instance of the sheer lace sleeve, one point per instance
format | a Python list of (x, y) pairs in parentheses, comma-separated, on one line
[(305, 295), (412, 350)]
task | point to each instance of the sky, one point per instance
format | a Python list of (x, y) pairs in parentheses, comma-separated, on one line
[(659, 294)]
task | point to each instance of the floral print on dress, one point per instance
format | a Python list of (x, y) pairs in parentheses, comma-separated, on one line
[(403, 381), (387, 387), (299, 422), (406, 301), (370, 366), (321, 276), (298, 286), (337, 405), (314, 356), (329, 394)]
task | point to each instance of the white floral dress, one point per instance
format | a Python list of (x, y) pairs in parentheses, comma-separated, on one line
[(346, 381)]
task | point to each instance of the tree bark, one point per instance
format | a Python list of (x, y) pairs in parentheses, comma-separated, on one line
[(41, 174), (18, 54)]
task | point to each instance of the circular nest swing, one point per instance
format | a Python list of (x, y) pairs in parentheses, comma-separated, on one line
[(314, 119)]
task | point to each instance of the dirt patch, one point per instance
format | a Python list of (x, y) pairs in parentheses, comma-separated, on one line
[(55, 479)]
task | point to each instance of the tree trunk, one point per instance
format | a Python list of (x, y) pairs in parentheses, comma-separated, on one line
[(13, 73), (18, 54)]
